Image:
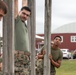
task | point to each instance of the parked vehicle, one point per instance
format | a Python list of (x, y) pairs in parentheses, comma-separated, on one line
[(66, 53), (74, 54)]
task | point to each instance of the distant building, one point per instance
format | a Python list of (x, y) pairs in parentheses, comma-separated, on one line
[(68, 34)]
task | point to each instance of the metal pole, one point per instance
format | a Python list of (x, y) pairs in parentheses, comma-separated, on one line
[(47, 36), (32, 24), (9, 41)]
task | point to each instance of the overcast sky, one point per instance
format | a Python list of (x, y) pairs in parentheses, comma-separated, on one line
[(63, 12)]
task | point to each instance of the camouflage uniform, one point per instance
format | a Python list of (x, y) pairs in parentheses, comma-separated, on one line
[(53, 73), (40, 64), (39, 67), (22, 63)]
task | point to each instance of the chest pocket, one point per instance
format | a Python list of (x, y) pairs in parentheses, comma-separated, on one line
[(55, 55)]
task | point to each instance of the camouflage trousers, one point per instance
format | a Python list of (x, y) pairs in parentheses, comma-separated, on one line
[(22, 63), (53, 73), (39, 67)]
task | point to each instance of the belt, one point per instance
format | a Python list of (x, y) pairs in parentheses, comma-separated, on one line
[(22, 52)]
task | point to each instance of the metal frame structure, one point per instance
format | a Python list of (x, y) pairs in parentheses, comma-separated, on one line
[(8, 35)]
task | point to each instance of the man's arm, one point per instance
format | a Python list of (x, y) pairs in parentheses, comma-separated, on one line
[(41, 55), (57, 64)]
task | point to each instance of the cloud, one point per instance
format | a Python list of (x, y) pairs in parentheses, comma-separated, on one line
[(39, 16), (63, 12)]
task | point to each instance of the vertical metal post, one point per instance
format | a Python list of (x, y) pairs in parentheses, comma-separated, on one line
[(47, 39), (28, 25), (32, 24), (5, 52), (8, 38)]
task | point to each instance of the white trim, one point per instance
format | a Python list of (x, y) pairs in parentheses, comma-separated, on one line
[(61, 38), (73, 38)]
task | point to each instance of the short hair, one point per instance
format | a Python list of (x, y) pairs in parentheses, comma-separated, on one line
[(58, 37), (3, 6), (26, 8)]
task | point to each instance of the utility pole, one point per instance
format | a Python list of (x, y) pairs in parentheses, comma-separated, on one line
[(47, 39), (8, 40)]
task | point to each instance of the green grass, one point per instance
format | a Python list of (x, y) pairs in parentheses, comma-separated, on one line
[(68, 67)]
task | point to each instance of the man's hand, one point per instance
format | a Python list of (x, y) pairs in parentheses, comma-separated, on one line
[(36, 57), (44, 52), (50, 56), (55, 63)]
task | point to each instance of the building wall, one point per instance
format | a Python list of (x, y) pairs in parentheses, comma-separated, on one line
[(66, 40)]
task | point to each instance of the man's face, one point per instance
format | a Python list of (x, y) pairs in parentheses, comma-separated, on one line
[(24, 14), (1, 14), (57, 41)]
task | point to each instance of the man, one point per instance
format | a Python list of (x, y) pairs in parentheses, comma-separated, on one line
[(22, 58), (3, 9), (55, 56), (40, 62)]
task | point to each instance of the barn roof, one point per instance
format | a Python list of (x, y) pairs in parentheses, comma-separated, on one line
[(67, 28)]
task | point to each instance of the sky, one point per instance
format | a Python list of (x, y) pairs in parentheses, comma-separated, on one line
[(63, 12)]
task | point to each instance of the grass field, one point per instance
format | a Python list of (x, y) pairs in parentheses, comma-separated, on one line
[(68, 67)]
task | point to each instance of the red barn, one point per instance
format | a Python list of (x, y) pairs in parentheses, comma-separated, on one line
[(68, 34)]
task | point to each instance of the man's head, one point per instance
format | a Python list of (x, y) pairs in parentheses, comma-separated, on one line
[(57, 40), (3, 9), (24, 13)]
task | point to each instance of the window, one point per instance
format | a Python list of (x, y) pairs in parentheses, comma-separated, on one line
[(62, 38), (73, 38)]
